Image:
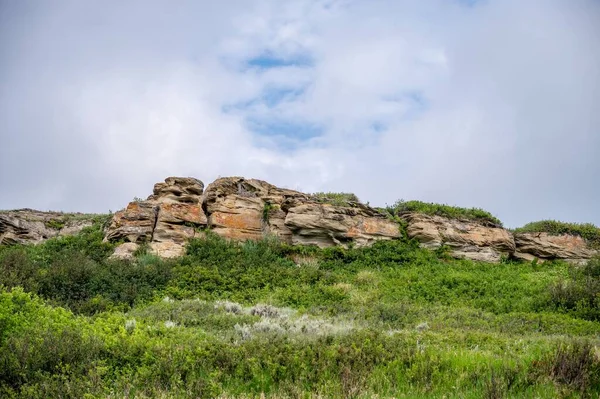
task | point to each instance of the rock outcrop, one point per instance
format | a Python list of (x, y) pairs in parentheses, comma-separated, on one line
[(28, 226), (133, 224), (241, 209), (328, 225), (237, 208), (466, 239), (544, 246), (165, 221)]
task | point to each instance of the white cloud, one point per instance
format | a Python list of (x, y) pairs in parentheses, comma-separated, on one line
[(491, 105)]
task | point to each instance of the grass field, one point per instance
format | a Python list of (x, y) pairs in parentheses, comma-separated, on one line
[(262, 319)]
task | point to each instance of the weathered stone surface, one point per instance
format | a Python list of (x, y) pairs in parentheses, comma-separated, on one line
[(543, 246), (167, 249), (242, 209), (178, 222), (28, 226), (186, 190), (170, 217), (327, 225), (133, 224), (125, 250), (467, 239)]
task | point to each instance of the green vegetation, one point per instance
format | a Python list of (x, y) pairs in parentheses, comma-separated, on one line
[(55, 224), (241, 320), (338, 199), (452, 212), (63, 219), (267, 208), (588, 231)]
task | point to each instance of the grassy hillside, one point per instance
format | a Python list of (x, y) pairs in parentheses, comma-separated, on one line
[(240, 320)]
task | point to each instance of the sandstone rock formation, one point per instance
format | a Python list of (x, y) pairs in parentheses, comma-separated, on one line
[(466, 239), (241, 209), (165, 221), (544, 246), (133, 224), (237, 208), (28, 226), (328, 225)]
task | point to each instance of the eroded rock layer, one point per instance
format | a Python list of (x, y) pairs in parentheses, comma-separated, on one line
[(466, 239), (543, 246), (165, 221), (241, 209), (237, 208), (328, 225), (27, 226)]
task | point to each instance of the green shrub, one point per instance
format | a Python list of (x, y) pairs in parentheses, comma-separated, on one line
[(389, 320), (580, 293), (587, 231), (452, 212), (574, 365), (55, 224), (338, 199)]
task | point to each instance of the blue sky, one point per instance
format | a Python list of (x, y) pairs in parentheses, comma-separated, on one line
[(489, 103)]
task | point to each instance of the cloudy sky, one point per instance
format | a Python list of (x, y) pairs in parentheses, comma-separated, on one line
[(493, 104)]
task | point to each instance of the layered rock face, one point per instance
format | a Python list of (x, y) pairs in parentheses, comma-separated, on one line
[(328, 225), (27, 226), (241, 209), (165, 221), (249, 209), (543, 246), (467, 239)]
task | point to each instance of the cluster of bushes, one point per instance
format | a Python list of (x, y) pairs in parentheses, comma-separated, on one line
[(63, 219), (48, 352), (74, 271), (417, 322), (452, 212), (579, 293), (339, 199), (587, 231)]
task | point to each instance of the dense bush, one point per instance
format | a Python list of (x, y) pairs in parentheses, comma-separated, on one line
[(75, 272), (587, 231), (246, 319), (452, 212), (580, 293), (340, 199)]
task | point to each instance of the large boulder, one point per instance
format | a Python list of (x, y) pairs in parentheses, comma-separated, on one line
[(328, 225), (241, 209), (186, 190), (166, 220), (28, 226), (175, 225), (133, 224), (466, 239), (544, 246)]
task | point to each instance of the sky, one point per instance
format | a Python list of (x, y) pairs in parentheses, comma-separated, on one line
[(492, 104)]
